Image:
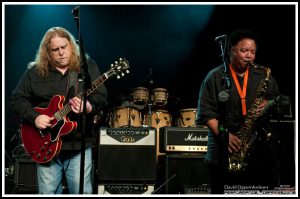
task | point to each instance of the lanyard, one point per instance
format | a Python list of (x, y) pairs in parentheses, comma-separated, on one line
[(242, 93)]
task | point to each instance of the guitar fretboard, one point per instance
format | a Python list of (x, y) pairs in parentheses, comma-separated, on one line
[(67, 108)]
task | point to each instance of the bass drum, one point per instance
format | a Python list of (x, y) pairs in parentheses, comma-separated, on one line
[(125, 117), (186, 117)]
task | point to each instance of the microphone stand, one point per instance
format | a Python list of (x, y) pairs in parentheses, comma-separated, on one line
[(226, 78), (86, 84), (223, 138), (164, 184)]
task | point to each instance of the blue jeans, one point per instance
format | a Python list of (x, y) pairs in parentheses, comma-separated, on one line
[(49, 175)]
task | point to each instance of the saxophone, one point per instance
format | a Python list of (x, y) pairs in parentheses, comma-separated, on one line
[(237, 160)]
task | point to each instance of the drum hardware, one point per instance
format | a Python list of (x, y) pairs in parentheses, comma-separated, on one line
[(157, 121), (148, 120), (181, 120), (131, 116)]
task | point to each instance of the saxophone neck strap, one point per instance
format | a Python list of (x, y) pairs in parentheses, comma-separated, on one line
[(241, 92)]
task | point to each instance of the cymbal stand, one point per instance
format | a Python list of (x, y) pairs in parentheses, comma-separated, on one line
[(149, 115), (130, 108)]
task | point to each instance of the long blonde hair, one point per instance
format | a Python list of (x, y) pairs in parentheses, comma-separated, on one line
[(42, 59)]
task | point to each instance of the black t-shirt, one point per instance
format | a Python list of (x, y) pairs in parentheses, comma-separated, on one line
[(35, 91)]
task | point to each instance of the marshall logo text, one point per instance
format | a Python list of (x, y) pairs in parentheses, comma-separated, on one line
[(195, 138)]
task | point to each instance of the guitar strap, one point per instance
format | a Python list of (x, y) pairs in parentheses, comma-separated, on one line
[(72, 87), (73, 78)]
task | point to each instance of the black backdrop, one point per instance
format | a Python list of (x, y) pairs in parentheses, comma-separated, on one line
[(176, 42)]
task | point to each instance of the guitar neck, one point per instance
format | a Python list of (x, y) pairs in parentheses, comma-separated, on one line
[(99, 81)]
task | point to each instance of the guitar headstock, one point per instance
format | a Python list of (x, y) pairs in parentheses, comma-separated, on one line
[(120, 67)]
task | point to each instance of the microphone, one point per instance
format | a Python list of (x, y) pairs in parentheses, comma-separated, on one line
[(218, 38), (75, 12)]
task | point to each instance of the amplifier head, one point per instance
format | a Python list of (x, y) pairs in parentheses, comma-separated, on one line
[(127, 136), (183, 139)]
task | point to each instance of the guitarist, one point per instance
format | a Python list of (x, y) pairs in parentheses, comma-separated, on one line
[(55, 72)]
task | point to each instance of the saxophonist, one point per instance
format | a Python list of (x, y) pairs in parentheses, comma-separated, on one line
[(226, 96)]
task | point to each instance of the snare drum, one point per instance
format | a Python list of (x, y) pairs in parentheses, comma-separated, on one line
[(187, 117), (124, 117), (140, 95), (158, 118), (160, 96)]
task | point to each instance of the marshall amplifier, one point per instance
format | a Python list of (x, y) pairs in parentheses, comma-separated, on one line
[(183, 139), (127, 155)]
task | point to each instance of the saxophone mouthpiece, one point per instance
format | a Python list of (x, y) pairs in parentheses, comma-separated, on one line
[(248, 63), (254, 65)]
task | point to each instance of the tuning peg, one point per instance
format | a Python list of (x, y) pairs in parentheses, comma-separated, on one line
[(127, 71), (122, 74), (118, 77)]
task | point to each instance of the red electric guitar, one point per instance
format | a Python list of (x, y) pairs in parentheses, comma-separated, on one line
[(43, 145)]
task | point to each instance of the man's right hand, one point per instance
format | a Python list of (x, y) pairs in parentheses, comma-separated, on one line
[(43, 121)]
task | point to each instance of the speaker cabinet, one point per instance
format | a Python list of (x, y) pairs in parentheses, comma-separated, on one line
[(186, 172), (284, 133), (25, 178), (127, 155)]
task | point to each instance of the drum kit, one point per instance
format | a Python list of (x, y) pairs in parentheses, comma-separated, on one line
[(156, 116), (131, 116)]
